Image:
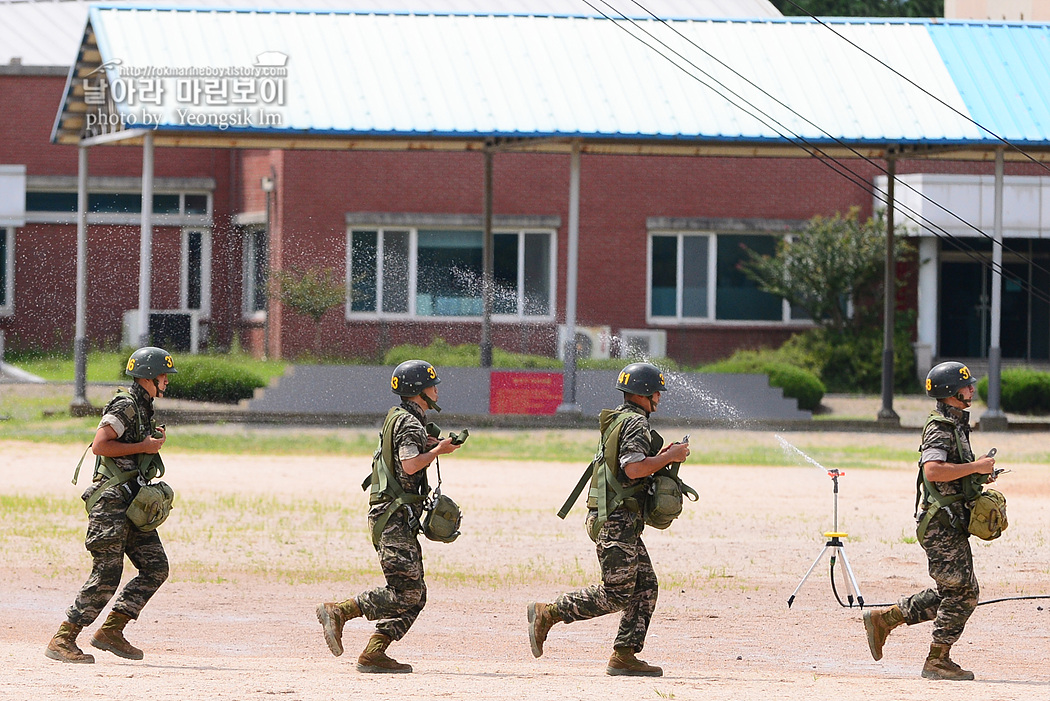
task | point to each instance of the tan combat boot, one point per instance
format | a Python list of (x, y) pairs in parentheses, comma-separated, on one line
[(374, 659), (624, 663), (63, 647), (878, 625), (940, 666), (541, 618), (111, 637), (332, 617)]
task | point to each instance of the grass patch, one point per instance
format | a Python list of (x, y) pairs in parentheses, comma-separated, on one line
[(109, 366)]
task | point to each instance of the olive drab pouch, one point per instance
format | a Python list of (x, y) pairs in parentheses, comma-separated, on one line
[(664, 497), (442, 520), (988, 515), (151, 506)]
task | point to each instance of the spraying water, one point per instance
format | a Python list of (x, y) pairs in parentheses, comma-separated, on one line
[(788, 448)]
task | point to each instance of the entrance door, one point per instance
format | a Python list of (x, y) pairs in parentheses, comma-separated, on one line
[(965, 302)]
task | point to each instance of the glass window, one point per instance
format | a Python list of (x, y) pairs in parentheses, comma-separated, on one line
[(196, 204), (51, 202), (736, 295), (680, 284), (448, 276), (505, 273), (664, 280), (537, 274), (194, 268), (113, 202), (395, 272), (165, 204), (438, 272), (255, 271), (362, 283)]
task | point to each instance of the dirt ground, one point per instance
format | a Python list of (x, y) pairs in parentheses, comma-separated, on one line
[(256, 543)]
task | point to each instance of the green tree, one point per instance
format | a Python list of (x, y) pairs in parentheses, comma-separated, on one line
[(834, 262), (310, 292), (861, 8)]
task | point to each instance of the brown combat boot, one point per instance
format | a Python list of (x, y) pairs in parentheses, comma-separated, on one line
[(111, 637), (940, 666), (332, 617), (541, 618), (624, 663), (63, 647), (878, 625), (374, 659)]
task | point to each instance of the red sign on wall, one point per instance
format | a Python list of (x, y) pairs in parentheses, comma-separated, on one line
[(525, 392)]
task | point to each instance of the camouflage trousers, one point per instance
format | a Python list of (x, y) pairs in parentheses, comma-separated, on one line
[(628, 581), (111, 536), (950, 604), (397, 605)]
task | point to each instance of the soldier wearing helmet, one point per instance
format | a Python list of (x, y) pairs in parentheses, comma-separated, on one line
[(628, 453), (947, 467), (398, 486), (126, 435)]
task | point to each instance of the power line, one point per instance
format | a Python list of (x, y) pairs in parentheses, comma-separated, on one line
[(804, 144)]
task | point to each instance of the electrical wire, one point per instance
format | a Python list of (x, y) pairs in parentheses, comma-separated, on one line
[(804, 144)]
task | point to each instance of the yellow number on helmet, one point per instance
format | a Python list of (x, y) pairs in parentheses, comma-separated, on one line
[(965, 372), (430, 371), (169, 361), (131, 364), (393, 382), (624, 376), (661, 378), (929, 384)]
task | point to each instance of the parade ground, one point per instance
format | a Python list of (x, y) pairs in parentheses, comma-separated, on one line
[(255, 543)]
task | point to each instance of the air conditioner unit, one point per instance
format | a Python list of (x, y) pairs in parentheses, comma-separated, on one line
[(643, 343), (174, 330), (591, 341)]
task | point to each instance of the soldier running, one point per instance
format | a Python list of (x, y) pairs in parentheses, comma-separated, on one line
[(126, 436), (398, 487), (615, 523), (947, 465)]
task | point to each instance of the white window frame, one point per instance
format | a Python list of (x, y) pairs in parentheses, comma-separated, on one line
[(712, 286), (184, 276), (413, 248), (8, 232), (248, 280)]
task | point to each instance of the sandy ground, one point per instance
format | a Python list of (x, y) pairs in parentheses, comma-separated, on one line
[(256, 543)]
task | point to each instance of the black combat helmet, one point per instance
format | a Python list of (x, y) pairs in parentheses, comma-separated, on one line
[(149, 361), (946, 379), (643, 379), (412, 377)]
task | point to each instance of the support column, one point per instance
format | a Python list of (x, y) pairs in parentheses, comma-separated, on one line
[(928, 292), (487, 265), (994, 419), (146, 240), (569, 404), (886, 414), (80, 343)]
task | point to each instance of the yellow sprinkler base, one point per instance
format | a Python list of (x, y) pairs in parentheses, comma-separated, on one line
[(835, 534)]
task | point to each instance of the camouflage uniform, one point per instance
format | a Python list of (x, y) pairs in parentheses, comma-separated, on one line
[(628, 581), (397, 605), (110, 535), (946, 543)]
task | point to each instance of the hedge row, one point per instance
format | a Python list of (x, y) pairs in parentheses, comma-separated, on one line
[(1024, 391), (206, 378), (797, 383)]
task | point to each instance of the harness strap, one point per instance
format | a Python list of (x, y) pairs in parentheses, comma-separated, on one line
[(116, 477), (932, 499), (382, 479)]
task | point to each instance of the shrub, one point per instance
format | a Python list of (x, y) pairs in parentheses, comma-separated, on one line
[(441, 354), (797, 383), (1024, 391), (206, 378)]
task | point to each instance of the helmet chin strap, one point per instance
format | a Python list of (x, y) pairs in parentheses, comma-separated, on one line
[(430, 402), (156, 386)]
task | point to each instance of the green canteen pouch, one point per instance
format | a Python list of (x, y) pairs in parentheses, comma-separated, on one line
[(442, 520), (988, 515), (151, 506), (663, 501)]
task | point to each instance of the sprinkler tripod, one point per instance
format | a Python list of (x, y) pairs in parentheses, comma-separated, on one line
[(838, 549)]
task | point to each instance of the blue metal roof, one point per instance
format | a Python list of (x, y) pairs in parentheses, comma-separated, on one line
[(675, 83)]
